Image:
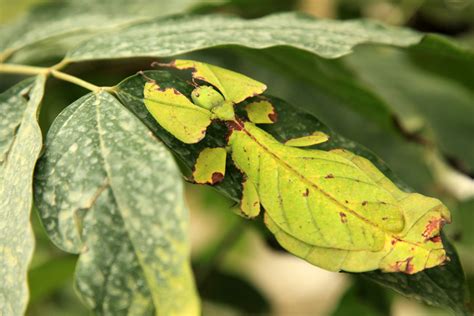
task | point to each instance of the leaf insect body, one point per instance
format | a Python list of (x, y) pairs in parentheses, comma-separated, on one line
[(332, 208)]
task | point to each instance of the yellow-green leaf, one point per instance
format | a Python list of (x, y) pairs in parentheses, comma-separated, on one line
[(176, 113)]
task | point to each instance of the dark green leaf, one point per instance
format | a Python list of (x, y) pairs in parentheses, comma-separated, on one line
[(107, 189), (435, 52), (292, 123), (19, 150), (439, 110)]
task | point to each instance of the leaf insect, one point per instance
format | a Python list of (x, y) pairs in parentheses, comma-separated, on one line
[(334, 208)]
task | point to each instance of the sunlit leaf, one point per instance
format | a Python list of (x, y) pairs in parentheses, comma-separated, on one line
[(20, 147), (108, 190)]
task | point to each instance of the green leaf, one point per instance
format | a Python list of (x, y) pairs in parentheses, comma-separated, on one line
[(108, 190), (19, 150), (435, 52), (178, 35), (66, 23), (436, 108), (291, 123)]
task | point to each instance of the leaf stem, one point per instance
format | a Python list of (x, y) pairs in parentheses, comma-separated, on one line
[(53, 71), (75, 80)]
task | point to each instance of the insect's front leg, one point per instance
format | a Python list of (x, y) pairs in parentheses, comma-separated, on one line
[(210, 166), (250, 202)]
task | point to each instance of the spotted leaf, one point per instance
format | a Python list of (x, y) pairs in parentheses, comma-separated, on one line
[(108, 190), (20, 146)]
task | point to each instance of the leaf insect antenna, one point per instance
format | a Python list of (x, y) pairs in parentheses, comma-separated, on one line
[(193, 83), (158, 64), (142, 73), (189, 180)]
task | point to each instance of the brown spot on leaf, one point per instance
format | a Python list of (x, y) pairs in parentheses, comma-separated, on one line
[(435, 239), (433, 227), (384, 218), (306, 192), (343, 217), (394, 241), (364, 203), (217, 177), (404, 266), (329, 176), (273, 116), (346, 201), (410, 266)]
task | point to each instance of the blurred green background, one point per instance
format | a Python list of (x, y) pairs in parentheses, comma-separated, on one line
[(241, 272)]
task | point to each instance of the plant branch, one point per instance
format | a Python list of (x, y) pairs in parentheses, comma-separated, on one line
[(53, 71), (22, 69), (75, 80)]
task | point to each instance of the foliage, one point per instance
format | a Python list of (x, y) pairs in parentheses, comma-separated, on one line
[(108, 189)]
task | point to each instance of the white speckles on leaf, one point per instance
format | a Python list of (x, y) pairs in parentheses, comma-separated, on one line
[(69, 22), (20, 146), (174, 36), (118, 211)]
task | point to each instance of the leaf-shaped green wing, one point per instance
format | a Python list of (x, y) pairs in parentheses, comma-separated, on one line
[(234, 86), (317, 196), (339, 205), (176, 113)]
